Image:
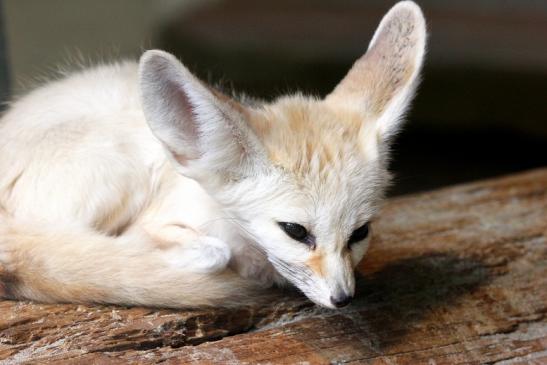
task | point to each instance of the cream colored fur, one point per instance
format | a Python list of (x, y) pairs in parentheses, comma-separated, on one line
[(139, 184)]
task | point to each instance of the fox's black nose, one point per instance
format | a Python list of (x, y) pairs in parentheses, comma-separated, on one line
[(340, 301)]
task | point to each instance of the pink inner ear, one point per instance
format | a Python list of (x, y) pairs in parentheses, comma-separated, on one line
[(389, 66), (392, 69), (186, 118), (189, 122)]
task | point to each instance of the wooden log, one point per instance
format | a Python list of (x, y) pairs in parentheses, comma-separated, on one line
[(454, 276)]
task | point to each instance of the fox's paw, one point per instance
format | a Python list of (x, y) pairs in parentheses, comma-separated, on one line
[(204, 255)]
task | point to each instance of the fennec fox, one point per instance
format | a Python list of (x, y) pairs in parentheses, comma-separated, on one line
[(141, 185)]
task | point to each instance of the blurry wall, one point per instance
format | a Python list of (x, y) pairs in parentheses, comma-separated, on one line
[(42, 34)]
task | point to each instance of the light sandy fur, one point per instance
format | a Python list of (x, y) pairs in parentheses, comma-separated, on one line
[(138, 184)]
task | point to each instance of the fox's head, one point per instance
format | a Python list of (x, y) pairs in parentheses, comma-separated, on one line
[(303, 176)]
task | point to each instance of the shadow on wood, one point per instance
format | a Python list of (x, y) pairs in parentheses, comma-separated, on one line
[(397, 297)]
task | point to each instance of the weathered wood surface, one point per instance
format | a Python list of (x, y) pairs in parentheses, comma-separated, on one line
[(455, 276)]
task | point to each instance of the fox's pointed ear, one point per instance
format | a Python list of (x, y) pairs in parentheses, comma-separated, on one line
[(382, 82), (203, 130)]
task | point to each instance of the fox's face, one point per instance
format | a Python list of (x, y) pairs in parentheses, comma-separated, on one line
[(303, 177), (311, 207)]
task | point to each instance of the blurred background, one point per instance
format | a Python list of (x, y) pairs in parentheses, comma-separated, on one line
[(480, 112)]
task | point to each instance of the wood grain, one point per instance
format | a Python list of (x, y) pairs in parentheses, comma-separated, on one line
[(454, 276)]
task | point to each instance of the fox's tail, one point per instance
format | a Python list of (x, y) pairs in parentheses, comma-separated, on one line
[(39, 263)]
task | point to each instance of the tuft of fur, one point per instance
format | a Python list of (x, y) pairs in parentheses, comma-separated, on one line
[(142, 185)]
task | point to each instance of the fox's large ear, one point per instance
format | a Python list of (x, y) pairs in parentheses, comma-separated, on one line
[(203, 130), (381, 83)]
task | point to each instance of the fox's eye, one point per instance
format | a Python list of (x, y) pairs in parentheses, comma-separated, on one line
[(359, 234), (297, 232)]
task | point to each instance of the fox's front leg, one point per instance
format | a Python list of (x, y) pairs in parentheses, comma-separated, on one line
[(133, 269), (185, 248)]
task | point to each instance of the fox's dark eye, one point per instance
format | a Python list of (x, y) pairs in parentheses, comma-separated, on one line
[(297, 232), (359, 234)]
